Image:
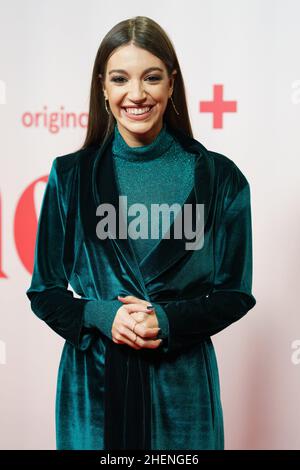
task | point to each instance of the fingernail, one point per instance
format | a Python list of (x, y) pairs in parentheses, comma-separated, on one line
[(149, 306)]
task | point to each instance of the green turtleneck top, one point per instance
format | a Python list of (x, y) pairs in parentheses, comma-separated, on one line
[(160, 172), (157, 173)]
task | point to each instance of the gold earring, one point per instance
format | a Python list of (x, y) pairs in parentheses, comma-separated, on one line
[(106, 106), (174, 106)]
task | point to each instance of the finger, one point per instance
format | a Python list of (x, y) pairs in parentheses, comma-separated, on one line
[(145, 332), (148, 343), (139, 342), (129, 298), (129, 326), (139, 316), (142, 328), (129, 319), (123, 332), (132, 299), (133, 307), (150, 321), (128, 342)]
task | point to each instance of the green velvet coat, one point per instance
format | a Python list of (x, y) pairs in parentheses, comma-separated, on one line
[(197, 294)]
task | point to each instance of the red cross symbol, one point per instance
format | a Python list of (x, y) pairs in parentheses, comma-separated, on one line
[(218, 107)]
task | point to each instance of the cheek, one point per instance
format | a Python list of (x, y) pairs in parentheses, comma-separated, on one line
[(115, 96), (160, 95)]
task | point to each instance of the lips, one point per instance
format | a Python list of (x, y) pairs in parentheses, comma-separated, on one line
[(138, 107), (141, 116)]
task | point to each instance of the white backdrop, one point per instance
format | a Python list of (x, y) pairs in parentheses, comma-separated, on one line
[(250, 48)]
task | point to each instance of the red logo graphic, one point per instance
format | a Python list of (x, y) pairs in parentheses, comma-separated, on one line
[(25, 225), (218, 107)]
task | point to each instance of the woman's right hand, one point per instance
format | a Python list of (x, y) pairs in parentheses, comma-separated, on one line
[(124, 323)]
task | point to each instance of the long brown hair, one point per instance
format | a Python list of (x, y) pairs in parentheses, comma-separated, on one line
[(145, 33)]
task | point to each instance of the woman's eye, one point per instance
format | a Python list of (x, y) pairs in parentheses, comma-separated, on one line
[(155, 78), (119, 79)]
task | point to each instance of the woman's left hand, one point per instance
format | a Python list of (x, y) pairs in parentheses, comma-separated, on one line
[(149, 320)]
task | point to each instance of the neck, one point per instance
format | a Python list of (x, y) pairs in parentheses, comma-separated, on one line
[(136, 139), (154, 149)]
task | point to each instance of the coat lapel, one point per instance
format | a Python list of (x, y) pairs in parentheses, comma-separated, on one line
[(167, 251)]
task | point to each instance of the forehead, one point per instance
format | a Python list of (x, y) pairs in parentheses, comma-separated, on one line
[(130, 57)]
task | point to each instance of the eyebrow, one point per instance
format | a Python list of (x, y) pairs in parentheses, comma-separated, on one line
[(149, 69)]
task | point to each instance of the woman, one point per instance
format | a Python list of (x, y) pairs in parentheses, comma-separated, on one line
[(138, 368)]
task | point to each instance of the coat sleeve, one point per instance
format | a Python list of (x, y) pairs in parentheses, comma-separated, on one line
[(186, 322), (75, 319)]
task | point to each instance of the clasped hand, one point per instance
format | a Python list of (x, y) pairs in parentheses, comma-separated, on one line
[(135, 324)]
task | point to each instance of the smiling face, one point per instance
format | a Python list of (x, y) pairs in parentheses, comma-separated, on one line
[(129, 83)]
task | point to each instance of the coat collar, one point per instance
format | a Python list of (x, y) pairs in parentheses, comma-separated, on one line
[(167, 251)]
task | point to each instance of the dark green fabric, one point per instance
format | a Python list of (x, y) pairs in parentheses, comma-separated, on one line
[(200, 292), (229, 298), (101, 314)]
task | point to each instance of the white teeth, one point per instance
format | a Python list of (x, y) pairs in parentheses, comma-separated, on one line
[(137, 110)]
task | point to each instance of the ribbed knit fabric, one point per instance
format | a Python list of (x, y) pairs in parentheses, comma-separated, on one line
[(157, 173)]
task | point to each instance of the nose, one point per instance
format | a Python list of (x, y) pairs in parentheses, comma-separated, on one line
[(136, 92)]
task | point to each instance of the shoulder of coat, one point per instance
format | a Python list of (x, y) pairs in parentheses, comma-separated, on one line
[(228, 169), (68, 161), (222, 161)]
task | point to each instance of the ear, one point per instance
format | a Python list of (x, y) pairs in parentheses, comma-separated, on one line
[(103, 89), (172, 79)]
